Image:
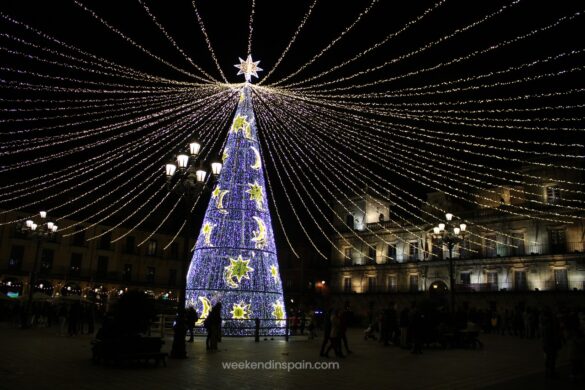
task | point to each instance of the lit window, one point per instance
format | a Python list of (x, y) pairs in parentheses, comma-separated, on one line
[(553, 194)]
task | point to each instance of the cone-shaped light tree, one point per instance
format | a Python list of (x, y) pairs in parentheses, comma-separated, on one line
[(235, 259)]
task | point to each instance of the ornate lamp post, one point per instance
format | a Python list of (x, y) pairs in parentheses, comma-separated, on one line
[(38, 231), (188, 181), (450, 235)]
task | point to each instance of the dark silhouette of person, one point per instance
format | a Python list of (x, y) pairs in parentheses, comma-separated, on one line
[(417, 326), (213, 325), (192, 318), (551, 342), (326, 332), (73, 320), (335, 335), (343, 321)]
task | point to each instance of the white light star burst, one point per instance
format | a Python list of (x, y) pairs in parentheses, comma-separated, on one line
[(248, 68)]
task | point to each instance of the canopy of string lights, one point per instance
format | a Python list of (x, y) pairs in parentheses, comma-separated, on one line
[(441, 95)]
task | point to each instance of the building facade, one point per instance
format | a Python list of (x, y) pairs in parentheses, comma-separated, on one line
[(504, 254), (96, 269)]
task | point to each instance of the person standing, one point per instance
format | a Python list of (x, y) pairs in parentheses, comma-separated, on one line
[(326, 332), (335, 335), (551, 342), (343, 321), (192, 318)]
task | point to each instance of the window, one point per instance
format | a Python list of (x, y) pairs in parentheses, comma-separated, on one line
[(152, 247), (16, 257), (553, 194), (371, 284), (372, 254), (75, 265), (348, 256), (130, 245), (561, 280), (47, 256), (413, 251), (517, 242), (127, 273), (102, 266), (392, 252), (520, 280), (78, 238), (347, 284), (558, 241), (492, 280), (413, 283), (381, 218), (349, 221), (437, 250), (465, 278), (392, 283), (175, 250), (150, 275), (172, 277), (105, 241), (490, 246)]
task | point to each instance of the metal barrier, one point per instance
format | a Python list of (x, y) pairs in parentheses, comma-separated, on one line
[(164, 323)]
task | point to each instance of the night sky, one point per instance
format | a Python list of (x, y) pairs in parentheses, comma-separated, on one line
[(274, 24)]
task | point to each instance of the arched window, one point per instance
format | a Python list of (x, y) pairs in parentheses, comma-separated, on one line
[(381, 218)]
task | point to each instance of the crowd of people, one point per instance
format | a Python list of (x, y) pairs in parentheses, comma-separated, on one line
[(425, 324), (70, 317)]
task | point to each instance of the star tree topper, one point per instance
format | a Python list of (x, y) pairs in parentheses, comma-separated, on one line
[(248, 68)]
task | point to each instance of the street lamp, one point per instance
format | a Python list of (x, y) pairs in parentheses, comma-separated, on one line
[(39, 231), (188, 181), (449, 234)]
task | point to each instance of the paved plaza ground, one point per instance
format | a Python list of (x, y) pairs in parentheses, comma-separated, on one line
[(41, 359)]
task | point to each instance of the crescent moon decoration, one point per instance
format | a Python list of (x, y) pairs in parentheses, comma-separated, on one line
[(228, 278), (248, 131), (259, 235), (205, 311), (219, 203), (258, 163)]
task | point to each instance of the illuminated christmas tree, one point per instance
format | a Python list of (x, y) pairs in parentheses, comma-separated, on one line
[(235, 260)]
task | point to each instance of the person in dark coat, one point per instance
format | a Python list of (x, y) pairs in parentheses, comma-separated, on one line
[(192, 318), (326, 332), (551, 342)]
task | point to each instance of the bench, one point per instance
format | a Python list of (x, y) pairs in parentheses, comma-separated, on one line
[(139, 349)]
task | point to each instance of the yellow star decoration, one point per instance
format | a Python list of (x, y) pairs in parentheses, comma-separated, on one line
[(241, 311), (205, 311), (224, 155), (240, 122), (242, 96), (239, 269), (206, 230), (274, 273), (255, 192), (259, 236), (278, 311)]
